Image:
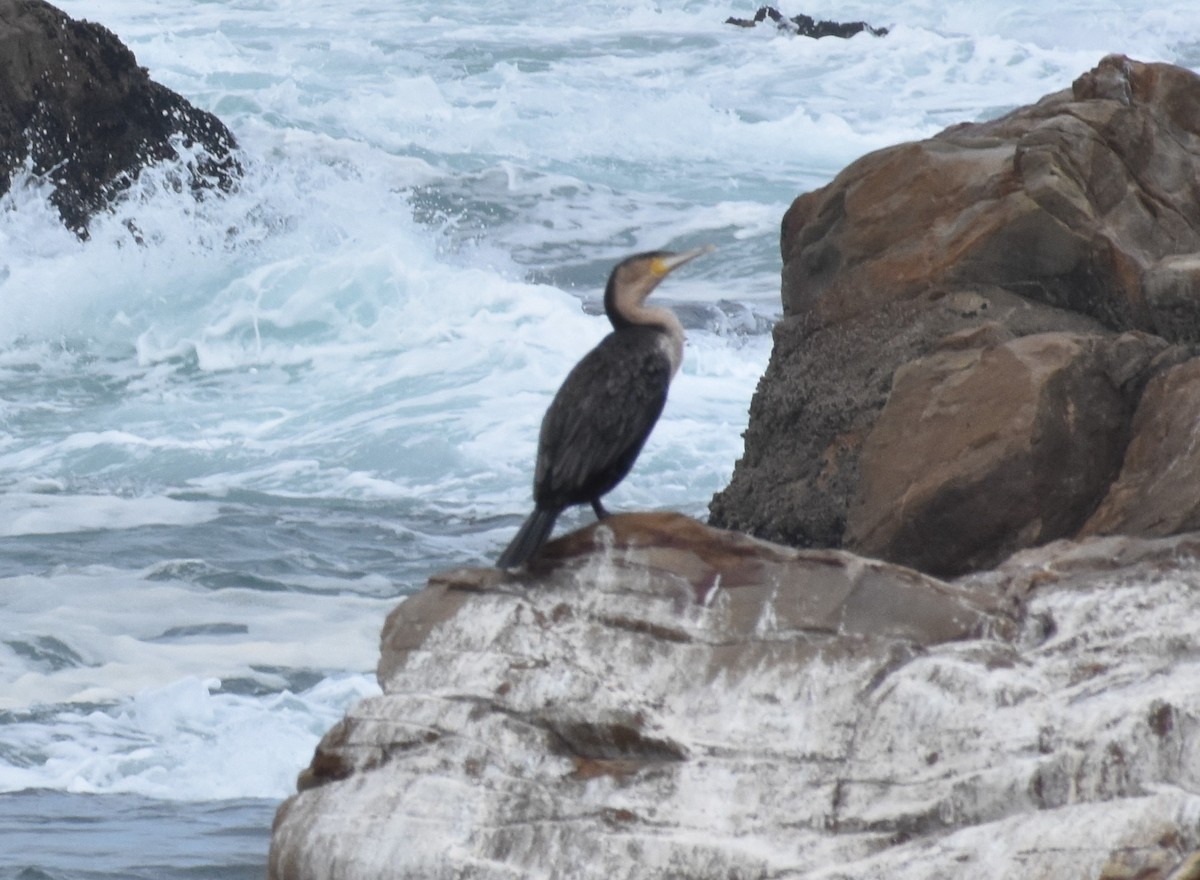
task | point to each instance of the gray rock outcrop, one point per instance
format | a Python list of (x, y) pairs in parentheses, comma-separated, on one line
[(969, 324), (75, 106), (661, 699)]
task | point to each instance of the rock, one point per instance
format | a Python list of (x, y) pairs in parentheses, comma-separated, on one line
[(1070, 216), (662, 699), (806, 25), (76, 106), (1066, 202), (982, 450), (1156, 492), (824, 389)]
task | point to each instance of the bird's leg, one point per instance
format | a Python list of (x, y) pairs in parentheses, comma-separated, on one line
[(601, 513)]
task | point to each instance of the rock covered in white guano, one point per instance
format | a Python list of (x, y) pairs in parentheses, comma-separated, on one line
[(657, 698)]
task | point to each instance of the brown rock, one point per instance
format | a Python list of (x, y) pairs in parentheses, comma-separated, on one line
[(1158, 490), (1188, 869), (75, 103), (825, 387), (1074, 215), (981, 451), (1067, 202)]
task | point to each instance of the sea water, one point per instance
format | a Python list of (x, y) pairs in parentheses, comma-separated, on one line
[(235, 433)]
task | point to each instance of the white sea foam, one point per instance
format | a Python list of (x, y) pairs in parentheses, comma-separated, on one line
[(182, 741), (101, 633), (151, 662), (42, 514)]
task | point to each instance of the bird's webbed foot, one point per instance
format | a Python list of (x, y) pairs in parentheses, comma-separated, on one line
[(601, 512)]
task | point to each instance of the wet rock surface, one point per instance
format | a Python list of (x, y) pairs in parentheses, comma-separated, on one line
[(657, 698), (76, 108)]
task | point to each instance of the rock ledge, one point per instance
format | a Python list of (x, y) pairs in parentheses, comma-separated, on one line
[(663, 699)]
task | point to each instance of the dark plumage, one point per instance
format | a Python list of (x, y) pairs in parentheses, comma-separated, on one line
[(601, 416)]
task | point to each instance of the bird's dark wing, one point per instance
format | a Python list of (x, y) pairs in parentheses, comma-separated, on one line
[(605, 410)]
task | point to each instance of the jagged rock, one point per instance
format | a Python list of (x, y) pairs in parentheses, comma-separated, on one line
[(1074, 215), (662, 699), (75, 104), (807, 26)]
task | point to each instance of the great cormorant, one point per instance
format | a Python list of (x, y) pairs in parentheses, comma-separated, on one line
[(595, 427)]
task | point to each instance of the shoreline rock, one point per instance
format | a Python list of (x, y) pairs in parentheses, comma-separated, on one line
[(75, 106), (662, 699), (978, 259)]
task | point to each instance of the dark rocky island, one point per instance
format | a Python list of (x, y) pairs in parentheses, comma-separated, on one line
[(76, 107), (807, 26)]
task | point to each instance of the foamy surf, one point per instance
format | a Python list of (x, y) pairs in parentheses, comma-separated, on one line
[(234, 433)]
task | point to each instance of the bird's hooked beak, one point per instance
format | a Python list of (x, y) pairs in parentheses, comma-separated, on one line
[(669, 263)]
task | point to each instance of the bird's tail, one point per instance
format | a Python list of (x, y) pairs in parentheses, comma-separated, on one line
[(530, 537)]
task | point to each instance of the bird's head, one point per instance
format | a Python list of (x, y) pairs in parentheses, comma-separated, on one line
[(634, 278)]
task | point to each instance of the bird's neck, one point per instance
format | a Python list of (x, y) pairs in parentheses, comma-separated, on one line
[(658, 318)]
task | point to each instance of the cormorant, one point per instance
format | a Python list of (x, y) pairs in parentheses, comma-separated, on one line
[(596, 425)]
